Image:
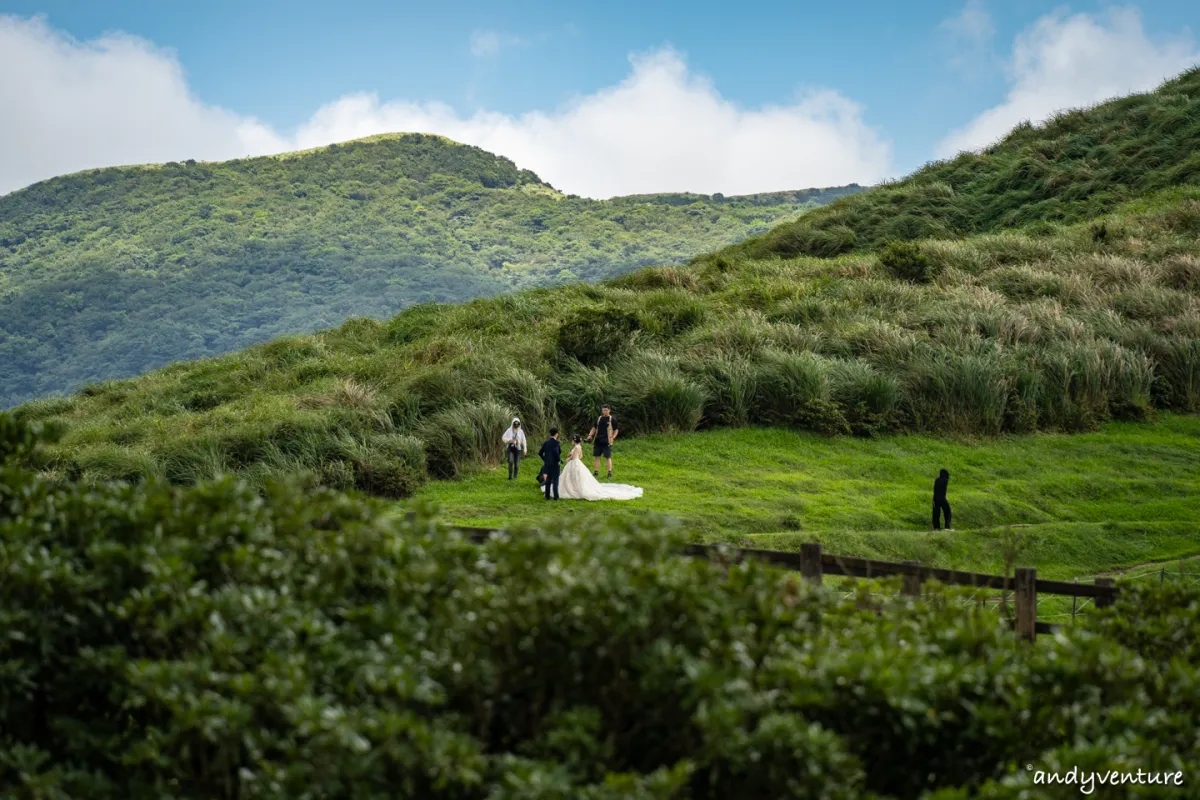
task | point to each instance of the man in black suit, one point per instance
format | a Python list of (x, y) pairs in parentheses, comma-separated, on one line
[(940, 504), (551, 454)]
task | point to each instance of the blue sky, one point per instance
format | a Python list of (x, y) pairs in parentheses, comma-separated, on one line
[(902, 82)]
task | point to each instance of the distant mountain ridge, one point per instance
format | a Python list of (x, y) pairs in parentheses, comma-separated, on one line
[(112, 272)]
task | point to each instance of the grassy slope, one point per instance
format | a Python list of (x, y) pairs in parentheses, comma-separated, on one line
[(1125, 495), (112, 272), (1082, 164)]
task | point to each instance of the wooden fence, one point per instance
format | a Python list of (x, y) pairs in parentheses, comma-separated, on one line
[(813, 565)]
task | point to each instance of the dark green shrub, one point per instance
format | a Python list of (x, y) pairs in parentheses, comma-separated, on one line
[(1154, 621), (674, 313), (906, 261), (595, 336), (871, 400), (794, 389), (651, 394), (806, 238), (20, 439)]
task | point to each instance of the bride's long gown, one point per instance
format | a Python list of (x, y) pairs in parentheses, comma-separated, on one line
[(576, 483)]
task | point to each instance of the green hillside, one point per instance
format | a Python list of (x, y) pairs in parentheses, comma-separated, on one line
[(1055, 327), (109, 273), (1081, 164)]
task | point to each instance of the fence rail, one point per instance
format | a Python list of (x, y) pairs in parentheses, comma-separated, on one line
[(813, 565)]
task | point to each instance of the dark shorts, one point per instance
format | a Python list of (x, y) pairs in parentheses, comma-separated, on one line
[(602, 450)]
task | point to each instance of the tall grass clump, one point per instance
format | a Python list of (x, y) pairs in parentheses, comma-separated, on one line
[(597, 335), (871, 401), (672, 313), (1087, 383), (463, 434), (731, 385), (907, 262), (525, 392), (653, 394), (962, 393), (390, 465), (580, 391), (795, 389)]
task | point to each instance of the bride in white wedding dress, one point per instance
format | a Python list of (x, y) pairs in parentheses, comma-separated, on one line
[(577, 483)]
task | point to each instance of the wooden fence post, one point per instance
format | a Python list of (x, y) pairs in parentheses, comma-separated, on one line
[(912, 583), (1026, 584), (1106, 599), (810, 562)]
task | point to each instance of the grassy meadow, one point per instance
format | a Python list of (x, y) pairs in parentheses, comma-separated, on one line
[(1081, 505)]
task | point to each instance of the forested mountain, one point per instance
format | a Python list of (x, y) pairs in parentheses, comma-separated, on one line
[(109, 273), (1059, 324)]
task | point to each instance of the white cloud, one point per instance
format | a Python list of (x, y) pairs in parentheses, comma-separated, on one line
[(489, 43), (117, 100), (661, 129), (120, 100), (1071, 61), (973, 25), (970, 34)]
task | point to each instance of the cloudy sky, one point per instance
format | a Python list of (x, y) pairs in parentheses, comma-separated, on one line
[(617, 98)]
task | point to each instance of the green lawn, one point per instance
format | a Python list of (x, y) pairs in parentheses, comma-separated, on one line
[(1128, 494)]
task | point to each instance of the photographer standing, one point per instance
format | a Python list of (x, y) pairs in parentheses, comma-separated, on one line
[(516, 447), (604, 432)]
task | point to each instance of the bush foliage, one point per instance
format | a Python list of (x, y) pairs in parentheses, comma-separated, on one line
[(214, 641), (904, 260)]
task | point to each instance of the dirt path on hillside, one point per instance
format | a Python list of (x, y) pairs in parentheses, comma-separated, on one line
[(1191, 566)]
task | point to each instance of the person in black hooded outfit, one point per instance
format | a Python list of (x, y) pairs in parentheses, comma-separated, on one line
[(940, 504)]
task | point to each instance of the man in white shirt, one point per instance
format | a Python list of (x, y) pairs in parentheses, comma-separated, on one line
[(515, 447)]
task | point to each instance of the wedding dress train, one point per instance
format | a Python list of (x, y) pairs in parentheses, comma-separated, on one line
[(577, 483)]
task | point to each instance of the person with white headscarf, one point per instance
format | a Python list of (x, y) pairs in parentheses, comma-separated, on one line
[(515, 447)]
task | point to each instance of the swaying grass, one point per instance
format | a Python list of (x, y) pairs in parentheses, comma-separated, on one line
[(1125, 495)]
